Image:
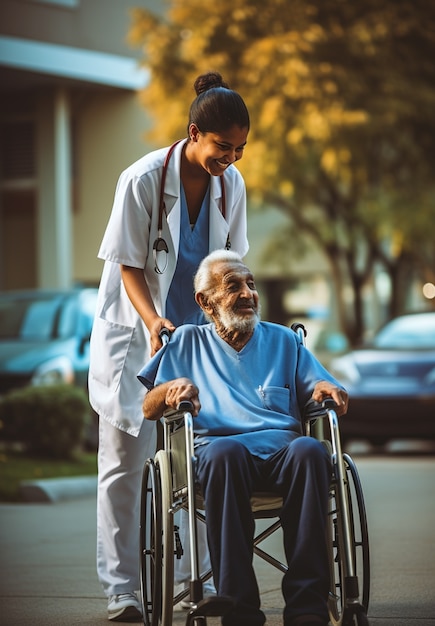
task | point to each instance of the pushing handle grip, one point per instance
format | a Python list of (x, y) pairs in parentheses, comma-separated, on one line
[(301, 332), (329, 403), (164, 335), (297, 327), (185, 405)]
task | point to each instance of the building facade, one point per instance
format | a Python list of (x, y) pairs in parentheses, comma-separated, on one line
[(70, 122)]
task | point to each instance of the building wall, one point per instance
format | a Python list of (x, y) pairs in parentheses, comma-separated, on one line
[(90, 24), (109, 137)]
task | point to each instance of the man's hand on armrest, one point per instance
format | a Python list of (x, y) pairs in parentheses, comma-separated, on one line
[(325, 389), (168, 396)]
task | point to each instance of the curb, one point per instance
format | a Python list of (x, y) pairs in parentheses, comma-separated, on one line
[(58, 489)]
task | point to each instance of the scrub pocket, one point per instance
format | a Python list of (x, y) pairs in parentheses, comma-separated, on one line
[(276, 399)]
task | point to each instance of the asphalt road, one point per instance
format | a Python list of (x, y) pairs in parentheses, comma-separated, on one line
[(47, 571)]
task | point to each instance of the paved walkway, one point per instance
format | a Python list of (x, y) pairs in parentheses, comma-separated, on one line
[(47, 568)]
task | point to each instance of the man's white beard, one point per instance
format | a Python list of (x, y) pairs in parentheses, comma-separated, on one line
[(231, 321)]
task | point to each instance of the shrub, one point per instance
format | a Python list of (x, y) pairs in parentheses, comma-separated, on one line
[(50, 421)]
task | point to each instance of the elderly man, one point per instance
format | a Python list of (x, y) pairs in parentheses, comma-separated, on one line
[(248, 382)]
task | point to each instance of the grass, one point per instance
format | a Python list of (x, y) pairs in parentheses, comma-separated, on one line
[(16, 467)]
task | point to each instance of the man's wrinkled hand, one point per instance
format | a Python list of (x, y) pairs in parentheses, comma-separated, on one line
[(324, 389), (181, 390)]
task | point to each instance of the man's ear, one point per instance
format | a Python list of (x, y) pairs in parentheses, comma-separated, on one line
[(202, 301)]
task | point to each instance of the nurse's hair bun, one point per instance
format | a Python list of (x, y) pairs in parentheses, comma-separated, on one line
[(216, 108), (208, 81)]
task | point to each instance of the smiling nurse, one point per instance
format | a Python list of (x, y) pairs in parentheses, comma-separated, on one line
[(171, 208)]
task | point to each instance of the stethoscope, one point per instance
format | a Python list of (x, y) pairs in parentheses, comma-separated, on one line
[(160, 244)]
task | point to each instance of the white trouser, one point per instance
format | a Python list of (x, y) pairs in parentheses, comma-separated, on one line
[(121, 458)]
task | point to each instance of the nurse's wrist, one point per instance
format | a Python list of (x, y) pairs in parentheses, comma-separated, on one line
[(154, 324)]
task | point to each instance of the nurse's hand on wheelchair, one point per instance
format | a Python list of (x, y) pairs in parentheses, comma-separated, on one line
[(324, 390), (160, 331)]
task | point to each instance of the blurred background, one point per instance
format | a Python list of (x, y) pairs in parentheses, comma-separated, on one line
[(338, 166)]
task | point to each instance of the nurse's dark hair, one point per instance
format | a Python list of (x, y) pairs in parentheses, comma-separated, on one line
[(203, 281), (216, 107)]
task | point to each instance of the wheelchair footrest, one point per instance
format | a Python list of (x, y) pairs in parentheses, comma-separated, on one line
[(214, 606)]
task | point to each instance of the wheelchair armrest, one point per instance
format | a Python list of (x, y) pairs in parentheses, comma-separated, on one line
[(172, 415)]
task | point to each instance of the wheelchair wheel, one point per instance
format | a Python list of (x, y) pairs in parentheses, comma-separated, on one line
[(168, 545), (343, 610), (151, 545), (157, 542)]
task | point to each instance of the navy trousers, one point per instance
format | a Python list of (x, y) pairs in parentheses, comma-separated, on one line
[(300, 473)]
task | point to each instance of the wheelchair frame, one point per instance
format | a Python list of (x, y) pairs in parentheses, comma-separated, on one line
[(168, 485)]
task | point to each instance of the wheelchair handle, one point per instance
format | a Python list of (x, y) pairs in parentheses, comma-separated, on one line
[(329, 404), (298, 327), (164, 335), (301, 332), (185, 405)]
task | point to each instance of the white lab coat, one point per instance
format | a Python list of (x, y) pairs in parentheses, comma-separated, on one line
[(120, 341)]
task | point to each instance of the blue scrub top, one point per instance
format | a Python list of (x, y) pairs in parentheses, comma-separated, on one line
[(181, 307), (256, 395)]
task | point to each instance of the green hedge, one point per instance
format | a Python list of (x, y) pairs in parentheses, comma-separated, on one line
[(48, 421)]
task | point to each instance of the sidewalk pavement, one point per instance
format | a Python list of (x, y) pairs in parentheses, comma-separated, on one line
[(58, 489), (47, 570)]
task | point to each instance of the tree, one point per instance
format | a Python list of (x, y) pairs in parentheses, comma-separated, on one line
[(342, 98)]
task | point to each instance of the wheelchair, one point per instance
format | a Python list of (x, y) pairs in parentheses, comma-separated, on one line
[(168, 485)]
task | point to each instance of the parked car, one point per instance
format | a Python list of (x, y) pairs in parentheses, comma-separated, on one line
[(44, 338), (391, 382)]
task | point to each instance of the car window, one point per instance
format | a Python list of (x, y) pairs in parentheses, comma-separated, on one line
[(409, 332), (45, 316), (39, 320), (12, 313), (67, 321)]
